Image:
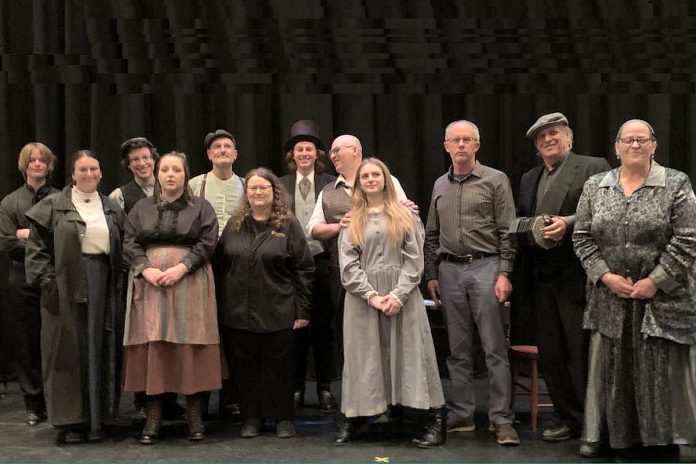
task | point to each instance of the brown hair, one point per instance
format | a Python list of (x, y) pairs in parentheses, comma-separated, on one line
[(280, 210)]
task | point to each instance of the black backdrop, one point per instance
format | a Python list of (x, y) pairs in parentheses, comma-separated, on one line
[(77, 74)]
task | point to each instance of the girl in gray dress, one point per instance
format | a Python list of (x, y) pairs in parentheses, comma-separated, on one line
[(389, 354)]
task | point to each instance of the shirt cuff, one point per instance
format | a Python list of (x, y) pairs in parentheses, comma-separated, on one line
[(597, 271), (664, 281), (370, 294), (398, 300)]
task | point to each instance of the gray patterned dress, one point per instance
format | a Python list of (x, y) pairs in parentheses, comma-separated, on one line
[(388, 359), (642, 378)]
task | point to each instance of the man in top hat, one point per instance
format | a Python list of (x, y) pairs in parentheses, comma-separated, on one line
[(221, 186), (305, 157), (139, 156), (557, 290)]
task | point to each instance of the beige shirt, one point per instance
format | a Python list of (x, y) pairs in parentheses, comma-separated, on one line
[(224, 195)]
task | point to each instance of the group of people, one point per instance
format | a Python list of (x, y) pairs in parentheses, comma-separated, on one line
[(179, 285)]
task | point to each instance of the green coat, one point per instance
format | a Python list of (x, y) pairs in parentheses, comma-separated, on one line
[(54, 260)]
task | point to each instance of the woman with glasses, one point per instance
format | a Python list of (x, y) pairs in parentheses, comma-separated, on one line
[(265, 274), (389, 353), (74, 253), (635, 234), (171, 343)]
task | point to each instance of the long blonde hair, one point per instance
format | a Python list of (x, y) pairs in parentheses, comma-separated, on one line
[(400, 217)]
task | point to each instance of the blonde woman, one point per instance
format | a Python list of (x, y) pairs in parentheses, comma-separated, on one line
[(389, 354)]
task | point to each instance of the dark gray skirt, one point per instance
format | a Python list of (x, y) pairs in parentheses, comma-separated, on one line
[(641, 390)]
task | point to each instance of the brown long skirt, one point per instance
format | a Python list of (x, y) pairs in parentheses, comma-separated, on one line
[(159, 367)]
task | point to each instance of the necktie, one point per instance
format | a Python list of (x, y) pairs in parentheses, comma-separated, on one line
[(305, 184)]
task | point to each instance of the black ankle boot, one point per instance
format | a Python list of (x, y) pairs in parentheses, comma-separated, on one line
[(346, 429), (435, 431)]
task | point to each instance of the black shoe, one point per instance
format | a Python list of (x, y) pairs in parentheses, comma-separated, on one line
[(35, 417), (560, 432), (435, 432), (327, 402), (593, 449), (233, 412), (250, 428), (298, 399), (285, 429), (345, 431), (70, 437), (96, 436)]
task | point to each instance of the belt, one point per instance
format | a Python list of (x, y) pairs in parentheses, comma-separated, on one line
[(465, 258)]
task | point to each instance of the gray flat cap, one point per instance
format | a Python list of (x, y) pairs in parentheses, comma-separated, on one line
[(546, 120), (216, 135)]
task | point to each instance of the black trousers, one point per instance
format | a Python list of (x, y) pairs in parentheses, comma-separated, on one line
[(25, 333), (262, 368), (559, 299), (320, 334)]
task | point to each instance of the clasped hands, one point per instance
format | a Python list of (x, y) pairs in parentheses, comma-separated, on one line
[(166, 278), (644, 289), (385, 303)]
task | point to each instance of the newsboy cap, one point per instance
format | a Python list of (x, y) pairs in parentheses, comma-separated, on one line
[(130, 144), (304, 130), (546, 120), (216, 135)]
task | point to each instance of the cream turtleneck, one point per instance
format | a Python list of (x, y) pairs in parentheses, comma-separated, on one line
[(89, 206)]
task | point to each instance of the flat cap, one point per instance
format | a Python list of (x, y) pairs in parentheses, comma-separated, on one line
[(216, 135), (546, 120), (128, 145)]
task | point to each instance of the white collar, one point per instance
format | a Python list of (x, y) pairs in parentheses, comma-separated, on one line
[(299, 177)]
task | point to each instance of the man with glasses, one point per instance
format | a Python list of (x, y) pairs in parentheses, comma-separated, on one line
[(139, 156), (557, 280), (467, 262)]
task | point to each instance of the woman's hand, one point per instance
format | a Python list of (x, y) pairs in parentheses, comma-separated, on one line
[(618, 284), (391, 305), (644, 289), (172, 275), (22, 233), (377, 302), (299, 324), (152, 275)]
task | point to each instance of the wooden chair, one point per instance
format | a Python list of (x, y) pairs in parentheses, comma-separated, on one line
[(527, 353)]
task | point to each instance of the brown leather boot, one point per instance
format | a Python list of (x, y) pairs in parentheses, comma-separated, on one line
[(153, 420), (194, 416)]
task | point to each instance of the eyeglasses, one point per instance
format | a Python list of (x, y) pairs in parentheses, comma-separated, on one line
[(335, 150), (640, 140), (141, 159), (259, 188), (464, 140)]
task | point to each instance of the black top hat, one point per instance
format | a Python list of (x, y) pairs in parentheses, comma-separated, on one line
[(304, 130), (216, 135)]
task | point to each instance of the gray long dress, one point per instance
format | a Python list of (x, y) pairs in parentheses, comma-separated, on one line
[(642, 376), (388, 359)]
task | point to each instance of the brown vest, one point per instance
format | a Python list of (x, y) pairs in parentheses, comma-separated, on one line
[(335, 203)]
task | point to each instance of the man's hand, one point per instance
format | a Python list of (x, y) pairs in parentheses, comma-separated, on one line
[(503, 288), (410, 205), (299, 324), (618, 284), (434, 290), (556, 230), (172, 275), (22, 233), (644, 289), (345, 220)]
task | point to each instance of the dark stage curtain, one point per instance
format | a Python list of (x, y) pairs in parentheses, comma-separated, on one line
[(77, 74)]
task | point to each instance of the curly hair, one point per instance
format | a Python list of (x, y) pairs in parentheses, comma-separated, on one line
[(320, 164), (280, 210)]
